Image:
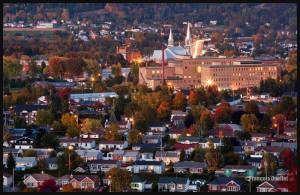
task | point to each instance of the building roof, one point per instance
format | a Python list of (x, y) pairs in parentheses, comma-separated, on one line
[(255, 160), (42, 177), (104, 162), (119, 152), (167, 154), (224, 181), (51, 160), (176, 131), (55, 84), (184, 146), (178, 113), (12, 150), (176, 180), (156, 124), (285, 144), (249, 143), (239, 167), (189, 164), (7, 175), (232, 126), (88, 152), (270, 148), (93, 95), (177, 118), (67, 140), (30, 108), (141, 162), (130, 153), (137, 179), (156, 137), (112, 142), (77, 177), (258, 135), (188, 138)]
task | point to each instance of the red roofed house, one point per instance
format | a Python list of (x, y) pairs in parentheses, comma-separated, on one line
[(188, 148), (270, 186)]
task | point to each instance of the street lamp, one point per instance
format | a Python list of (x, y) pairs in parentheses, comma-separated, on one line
[(109, 183), (209, 82), (93, 81), (70, 149), (276, 125)]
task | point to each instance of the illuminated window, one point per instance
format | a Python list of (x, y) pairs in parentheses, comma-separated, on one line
[(157, 71), (199, 69), (153, 71)]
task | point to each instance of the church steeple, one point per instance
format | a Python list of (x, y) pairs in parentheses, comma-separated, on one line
[(188, 39), (170, 40), (188, 36)]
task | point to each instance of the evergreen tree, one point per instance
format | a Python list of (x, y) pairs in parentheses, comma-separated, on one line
[(10, 162)]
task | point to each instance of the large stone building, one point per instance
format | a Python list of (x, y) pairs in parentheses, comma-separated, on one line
[(183, 69)]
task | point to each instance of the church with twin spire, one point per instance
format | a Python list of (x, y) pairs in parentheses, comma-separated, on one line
[(172, 51)]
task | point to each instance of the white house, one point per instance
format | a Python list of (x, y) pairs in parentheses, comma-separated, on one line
[(103, 165), (23, 162), (89, 155), (24, 143), (107, 145), (158, 126), (36, 179), (93, 96), (7, 179), (78, 143), (149, 166), (203, 143)]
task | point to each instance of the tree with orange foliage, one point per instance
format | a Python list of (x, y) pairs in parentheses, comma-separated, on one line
[(223, 113), (180, 101), (164, 111), (194, 97), (57, 66)]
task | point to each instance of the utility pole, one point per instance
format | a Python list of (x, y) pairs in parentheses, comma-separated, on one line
[(13, 180)]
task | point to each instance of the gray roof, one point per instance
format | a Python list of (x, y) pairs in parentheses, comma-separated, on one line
[(239, 167), (104, 162), (51, 160), (166, 154), (224, 181), (12, 150), (189, 138), (141, 162), (137, 179), (285, 144), (189, 164), (30, 108), (213, 140), (156, 124), (42, 177), (150, 136), (93, 95), (88, 152), (176, 180), (119, 152), (255, 160)]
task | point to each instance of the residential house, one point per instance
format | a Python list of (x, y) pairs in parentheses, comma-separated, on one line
[(188, 140), (225, 184), (107, 156), (240, 170), (103, 165), (275, 150), (145, 147), (176, 119), (203, 142), (289, 131), (147, 156), (29, 112), (24, 143), (189, 167), (126, 156), (36, 179), (157, 126), (256, 161), (88, 155), (292, 146), (98, 133), (15, 152), (167, 156), (123, 124), (81, 169), (176, 133), (7, 179), (196, 184), (108, 145), (238, 150), (173, 184), (234, 127), (42, 153), (149, 166), (23, 162), (80, 182), (151, 139), (257, 137), (249, 146), (270, 186), (57, 85), (78, 143), (52, 164), (188, 148), (100, 97), (140, 185)]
